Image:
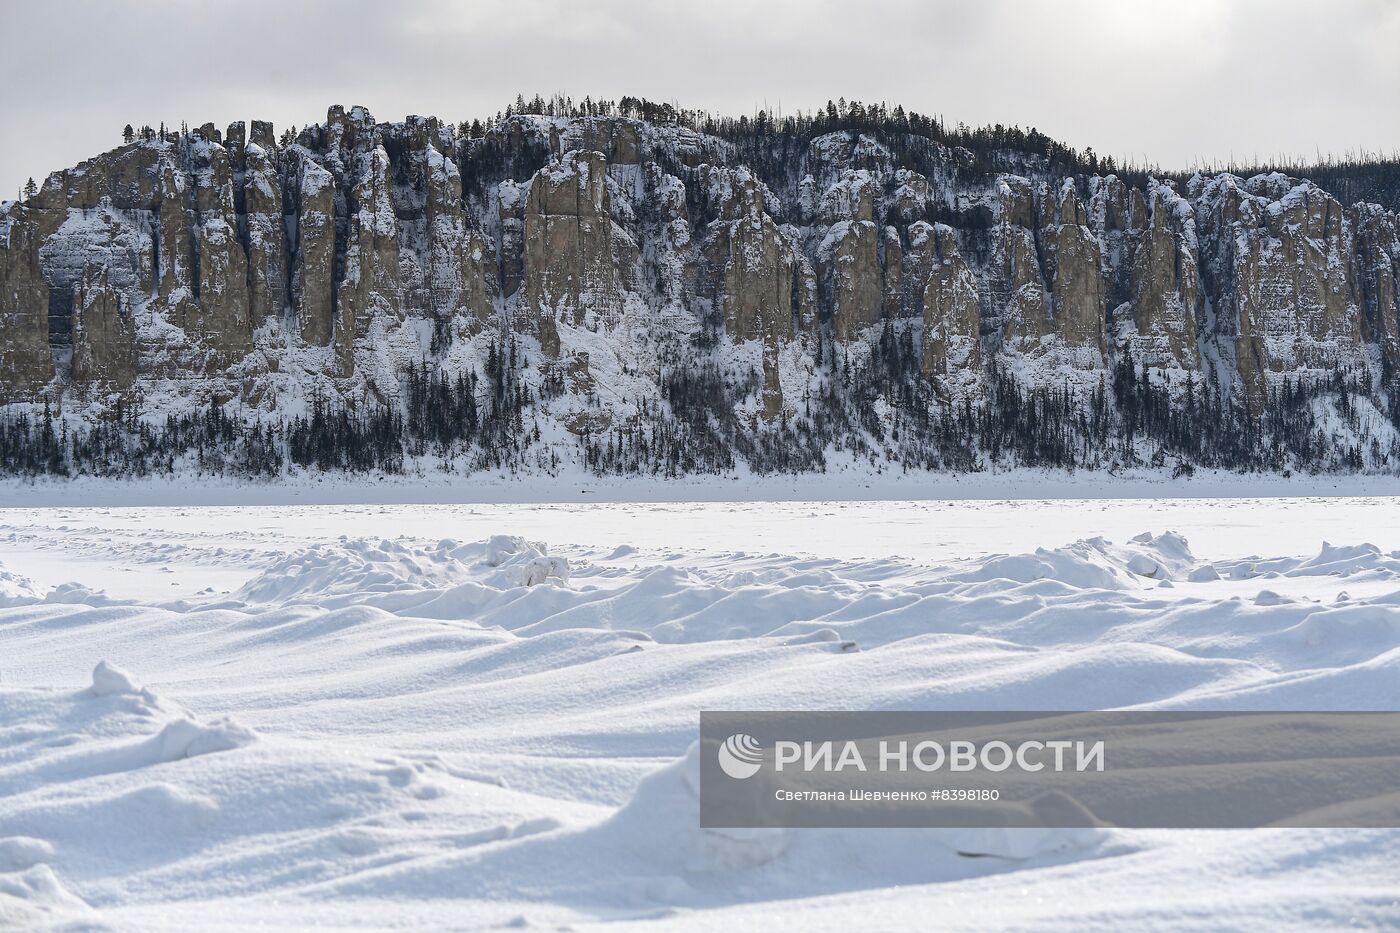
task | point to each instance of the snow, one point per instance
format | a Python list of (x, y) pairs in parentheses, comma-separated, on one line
[(484, 714), (107, 680), (16, 589)]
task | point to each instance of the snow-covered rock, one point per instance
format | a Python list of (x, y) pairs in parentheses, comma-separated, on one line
[(607, 256)]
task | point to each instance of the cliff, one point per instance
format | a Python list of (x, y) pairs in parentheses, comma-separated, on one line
[(611, 253)]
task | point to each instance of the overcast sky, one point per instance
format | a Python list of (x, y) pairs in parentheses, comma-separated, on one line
[(1170, 82)]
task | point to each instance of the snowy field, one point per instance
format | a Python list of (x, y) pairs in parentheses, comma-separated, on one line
[(478, 715)]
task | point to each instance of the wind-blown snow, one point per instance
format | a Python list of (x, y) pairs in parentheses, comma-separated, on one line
[(428, 724)]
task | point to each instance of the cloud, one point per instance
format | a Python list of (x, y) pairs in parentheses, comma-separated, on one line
[(1165, 82)]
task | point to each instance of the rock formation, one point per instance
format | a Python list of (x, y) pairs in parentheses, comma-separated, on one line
[(313, 256), (571, 273), (952, 314), (1280, 252), (1166, 297), (606, 249), (26, 362)]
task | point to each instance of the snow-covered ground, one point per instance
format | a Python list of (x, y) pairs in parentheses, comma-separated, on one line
[(478, 715)]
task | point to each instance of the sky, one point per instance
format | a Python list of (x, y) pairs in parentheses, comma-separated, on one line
[(1175, 83)]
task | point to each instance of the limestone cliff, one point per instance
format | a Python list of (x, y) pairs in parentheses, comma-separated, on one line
[(240, 265), (571, 271)]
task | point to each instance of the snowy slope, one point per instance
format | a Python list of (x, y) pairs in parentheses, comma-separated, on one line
[(409, 717)]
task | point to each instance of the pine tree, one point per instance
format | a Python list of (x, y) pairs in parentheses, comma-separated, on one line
[(128, 134), (30, 189)]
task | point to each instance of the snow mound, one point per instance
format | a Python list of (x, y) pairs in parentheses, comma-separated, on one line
[(663, 819), (501, 548), (36, 900), (182, 737), (391, 574), (19, 852), (1346, 560), (78, 594), (16, 589), (1376, 627), (351, 568), (1330, 560), (661, 824), (1092, 563), (521, 563), (108, 679), (186, 738)]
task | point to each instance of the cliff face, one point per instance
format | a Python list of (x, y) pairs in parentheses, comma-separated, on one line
[(226, 266), (573, 267)]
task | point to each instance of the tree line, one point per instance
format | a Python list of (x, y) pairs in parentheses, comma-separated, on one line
[(878, 411)]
